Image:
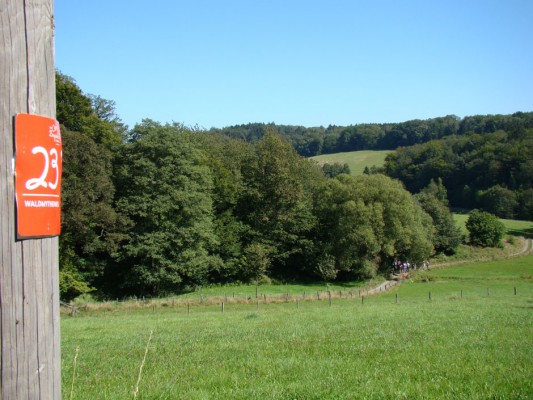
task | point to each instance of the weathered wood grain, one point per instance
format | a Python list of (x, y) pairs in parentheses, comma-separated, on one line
[(29, 283)]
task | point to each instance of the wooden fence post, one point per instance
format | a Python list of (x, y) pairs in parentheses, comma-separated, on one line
[(29, 271)]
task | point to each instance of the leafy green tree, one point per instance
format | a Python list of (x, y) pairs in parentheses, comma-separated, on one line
[(526, 205), (72, 106), (72, 284), (105, 110), (165, 189), (75, 111), (437, 190), (499, 201), (326, 268), (367, 220), (225, 158), (485, 229), (332, 170), (91, 229), (447, 236), (256, 262), (277, 202)]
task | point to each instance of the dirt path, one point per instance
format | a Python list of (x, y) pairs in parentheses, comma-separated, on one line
[(387, 285), (528, 248)]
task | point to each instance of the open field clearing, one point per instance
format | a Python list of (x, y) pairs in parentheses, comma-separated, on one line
[(356, 160), (514, 246), (459, 332), (514, 227)]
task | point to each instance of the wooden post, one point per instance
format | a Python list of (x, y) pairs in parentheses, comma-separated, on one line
[(29, 283)]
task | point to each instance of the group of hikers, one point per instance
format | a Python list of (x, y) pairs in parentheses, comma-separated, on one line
[(399, 266)]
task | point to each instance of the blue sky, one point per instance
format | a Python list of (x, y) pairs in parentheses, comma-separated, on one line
[(219, 63)]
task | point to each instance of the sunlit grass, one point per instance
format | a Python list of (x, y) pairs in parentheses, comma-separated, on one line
[(356, 160), (473, 346)]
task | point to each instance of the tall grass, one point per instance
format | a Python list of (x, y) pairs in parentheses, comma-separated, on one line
[(476, 346), (234, 294)]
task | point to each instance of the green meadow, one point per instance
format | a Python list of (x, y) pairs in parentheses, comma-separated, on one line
[(356, 160), (461, 332), (513, 227)]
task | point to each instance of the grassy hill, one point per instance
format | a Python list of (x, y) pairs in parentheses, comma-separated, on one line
[(356, 160)]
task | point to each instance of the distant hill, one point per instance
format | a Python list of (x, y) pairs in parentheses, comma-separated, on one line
[(315, 141), (356, 160)]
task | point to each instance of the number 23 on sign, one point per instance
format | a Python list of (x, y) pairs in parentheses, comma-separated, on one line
[(38, 166)]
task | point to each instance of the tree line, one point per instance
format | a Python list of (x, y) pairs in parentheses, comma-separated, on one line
[(314, 141), (164, 208), (484, 161)]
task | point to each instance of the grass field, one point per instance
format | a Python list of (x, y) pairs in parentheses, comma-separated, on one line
[(473, 340), (356, 160)]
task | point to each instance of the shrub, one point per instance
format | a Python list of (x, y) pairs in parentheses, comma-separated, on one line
[(485, 229)]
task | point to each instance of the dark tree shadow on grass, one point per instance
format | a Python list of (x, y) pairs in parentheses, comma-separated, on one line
[(528, 233)]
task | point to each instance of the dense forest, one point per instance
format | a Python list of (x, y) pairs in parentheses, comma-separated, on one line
[(491, 171), (484, 161), (334, 139), (165, 208)]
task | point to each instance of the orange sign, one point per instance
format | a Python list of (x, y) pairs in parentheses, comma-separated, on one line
[(38, 165)]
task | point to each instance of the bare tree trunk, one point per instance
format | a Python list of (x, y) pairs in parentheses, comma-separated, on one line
[(29, 289)]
